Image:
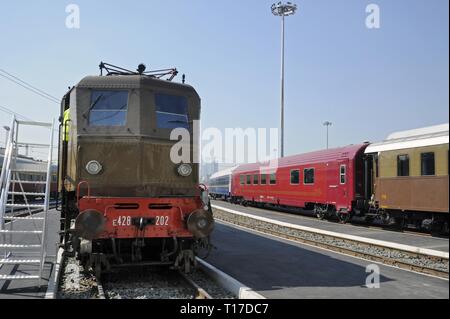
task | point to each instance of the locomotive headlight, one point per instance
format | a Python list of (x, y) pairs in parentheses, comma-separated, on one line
[(93, 167), (184, 170), (200, 223)]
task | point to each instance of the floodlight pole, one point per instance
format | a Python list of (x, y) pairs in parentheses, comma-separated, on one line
[(282, 89), (327, 124), (282, 10)]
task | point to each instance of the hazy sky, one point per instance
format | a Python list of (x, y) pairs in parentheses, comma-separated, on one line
[(368, 82)]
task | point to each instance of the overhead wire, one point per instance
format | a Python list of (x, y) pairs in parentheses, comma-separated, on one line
[(26, 83), (29, 88)]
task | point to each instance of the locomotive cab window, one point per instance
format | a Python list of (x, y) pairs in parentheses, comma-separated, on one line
[(108, 108), (403, 165), (249, 179), (255, 179), (342, 174), (427, 164), (295, 176), (308, 176), (242, 179), (171, 111)]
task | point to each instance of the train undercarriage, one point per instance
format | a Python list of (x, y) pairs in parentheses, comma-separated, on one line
[(433, 223), (102, 255)]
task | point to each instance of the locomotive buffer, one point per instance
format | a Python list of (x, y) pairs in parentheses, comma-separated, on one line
[(12, 190)]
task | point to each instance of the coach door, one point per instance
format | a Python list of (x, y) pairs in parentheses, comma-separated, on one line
[(332, 182), (342, 188)]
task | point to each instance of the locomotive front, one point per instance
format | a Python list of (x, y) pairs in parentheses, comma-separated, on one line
[(130, 201)]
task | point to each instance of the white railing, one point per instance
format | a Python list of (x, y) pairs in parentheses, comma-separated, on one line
[(5, 177), (47, 201)]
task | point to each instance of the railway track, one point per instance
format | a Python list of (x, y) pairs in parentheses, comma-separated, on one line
[(137, 283), (400, 256), (149, 283)]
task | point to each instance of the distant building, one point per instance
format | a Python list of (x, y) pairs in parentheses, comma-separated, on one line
[(207, 169)]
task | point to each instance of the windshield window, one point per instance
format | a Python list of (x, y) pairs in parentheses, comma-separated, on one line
[(171, 111), (108, 108)]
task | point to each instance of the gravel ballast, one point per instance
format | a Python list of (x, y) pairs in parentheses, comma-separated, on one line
[(75, 283), (148, 283), (135, 283)]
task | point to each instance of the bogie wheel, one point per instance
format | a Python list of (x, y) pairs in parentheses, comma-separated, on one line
[(437, 228), (386, 219), (344, 217), (368, 220), (320, 212)]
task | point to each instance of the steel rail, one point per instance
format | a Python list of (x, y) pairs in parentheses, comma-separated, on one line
[(101, 291), (200, 293)]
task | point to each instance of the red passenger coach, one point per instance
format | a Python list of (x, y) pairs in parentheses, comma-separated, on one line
[(328, 181)]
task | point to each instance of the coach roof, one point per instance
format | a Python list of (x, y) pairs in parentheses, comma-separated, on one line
[(346, 152), (426, 136), (224, 172)]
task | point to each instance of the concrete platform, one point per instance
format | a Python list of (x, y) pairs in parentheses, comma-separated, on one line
[(25, 289), (278, 268), (417, 240)]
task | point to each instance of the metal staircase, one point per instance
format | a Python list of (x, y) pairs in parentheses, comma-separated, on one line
[(23, 236)]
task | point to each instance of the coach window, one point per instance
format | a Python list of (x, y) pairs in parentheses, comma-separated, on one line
[(427, 163), (403, 165), (249, 179), (342, 175), (263, 179), (295, 176), (242, 179), (108, 108), (171, 111), (273, 179), (308, 176), (255, 179)]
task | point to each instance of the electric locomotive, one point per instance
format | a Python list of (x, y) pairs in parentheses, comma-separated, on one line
[(123, 200)]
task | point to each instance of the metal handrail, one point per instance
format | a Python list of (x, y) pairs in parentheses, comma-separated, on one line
[(4, 177), (46, 201)]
